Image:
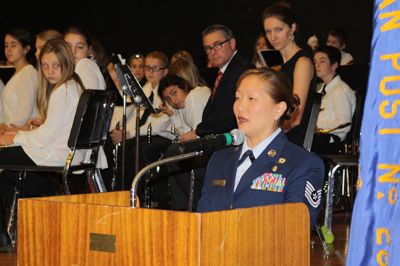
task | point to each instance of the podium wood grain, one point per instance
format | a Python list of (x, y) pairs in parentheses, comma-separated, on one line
[(60, 231)]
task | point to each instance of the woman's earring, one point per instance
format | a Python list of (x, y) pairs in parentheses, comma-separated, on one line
[(292, 37)]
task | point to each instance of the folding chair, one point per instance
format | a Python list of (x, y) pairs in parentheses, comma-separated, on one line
[(307, 144)]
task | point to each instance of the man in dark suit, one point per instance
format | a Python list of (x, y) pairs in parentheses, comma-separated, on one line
[(282, 173), (220, 47)]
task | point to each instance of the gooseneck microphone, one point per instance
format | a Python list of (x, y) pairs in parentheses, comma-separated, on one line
[(210, 143)]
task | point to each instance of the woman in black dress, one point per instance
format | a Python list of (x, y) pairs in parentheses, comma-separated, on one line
[(280, 28)]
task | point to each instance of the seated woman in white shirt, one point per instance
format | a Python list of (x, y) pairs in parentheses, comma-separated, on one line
[(59, 92), (80, 43), (17, 99)]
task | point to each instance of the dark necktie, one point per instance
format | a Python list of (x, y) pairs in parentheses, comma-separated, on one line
[(323, 91), (219, 76), (248, 153), (146, 112)]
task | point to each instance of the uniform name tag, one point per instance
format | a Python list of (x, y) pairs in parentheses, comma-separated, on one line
[(269, 182), (218, 182)]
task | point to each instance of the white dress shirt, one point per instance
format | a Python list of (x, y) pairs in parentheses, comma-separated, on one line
[(47, 144), (337, 107), (18, 98), (90, 74), (346, 58)]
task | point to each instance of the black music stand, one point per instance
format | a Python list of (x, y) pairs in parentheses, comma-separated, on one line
[(131, 87)]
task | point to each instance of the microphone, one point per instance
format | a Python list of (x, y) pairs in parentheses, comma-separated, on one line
[(212, 142)]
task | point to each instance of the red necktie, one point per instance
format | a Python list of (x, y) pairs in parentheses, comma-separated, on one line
[(219, 76)]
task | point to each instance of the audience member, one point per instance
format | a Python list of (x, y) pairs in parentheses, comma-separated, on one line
[(338, 38), (280, 27), (272, 170), (337, 105)]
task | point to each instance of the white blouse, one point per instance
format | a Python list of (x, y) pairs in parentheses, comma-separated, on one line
[(47, 144), (18, 98), (90, 74)]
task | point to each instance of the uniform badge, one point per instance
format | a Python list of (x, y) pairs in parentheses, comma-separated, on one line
[(313, 196), (271, 153), (281, 160), (218, 182), (270, 182)]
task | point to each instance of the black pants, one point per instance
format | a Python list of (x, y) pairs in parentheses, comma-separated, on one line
[(322, 145), (35, 184), (14, 156)]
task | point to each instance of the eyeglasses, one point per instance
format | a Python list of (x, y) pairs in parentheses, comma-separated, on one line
[(154, 68), (216, 46)]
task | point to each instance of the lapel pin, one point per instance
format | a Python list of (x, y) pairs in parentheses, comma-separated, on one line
[(281, 160), (271, 153)]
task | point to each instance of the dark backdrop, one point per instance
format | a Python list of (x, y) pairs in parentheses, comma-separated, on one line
[(170, 25)]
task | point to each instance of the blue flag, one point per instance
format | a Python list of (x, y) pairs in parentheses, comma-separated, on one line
[(375, 226)]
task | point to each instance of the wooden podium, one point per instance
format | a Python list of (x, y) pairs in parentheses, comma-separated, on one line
[(102, 229)]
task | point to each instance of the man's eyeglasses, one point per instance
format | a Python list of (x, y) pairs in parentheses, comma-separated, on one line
[(216, 46), (154, 68)]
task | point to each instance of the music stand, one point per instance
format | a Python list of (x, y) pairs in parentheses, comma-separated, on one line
[(270, 57), (131, 87)]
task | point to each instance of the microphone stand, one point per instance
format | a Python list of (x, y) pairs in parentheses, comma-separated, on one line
[(172, 159), (123, 143), (137, 137)]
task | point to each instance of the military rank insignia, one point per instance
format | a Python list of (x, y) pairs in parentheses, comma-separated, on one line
[(313, 196), (270, 182)]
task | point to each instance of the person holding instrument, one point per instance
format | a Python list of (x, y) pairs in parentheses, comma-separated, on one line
[(267, 168)]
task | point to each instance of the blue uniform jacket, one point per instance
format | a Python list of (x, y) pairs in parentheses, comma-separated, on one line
[(284, 172)]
